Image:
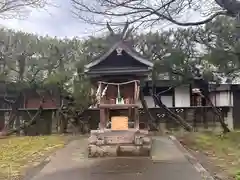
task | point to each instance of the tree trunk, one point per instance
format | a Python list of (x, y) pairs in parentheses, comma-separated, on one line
[(14, 112), (10, 121), (218, 113), (22, 126), (173, 115), (202, 84), (151, 121), (9, 132)]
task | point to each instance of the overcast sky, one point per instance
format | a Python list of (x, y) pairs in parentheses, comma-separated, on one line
[(57, 21), (54, 20)]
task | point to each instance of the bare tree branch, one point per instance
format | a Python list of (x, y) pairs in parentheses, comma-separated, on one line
[(141, 12), (19, 8)]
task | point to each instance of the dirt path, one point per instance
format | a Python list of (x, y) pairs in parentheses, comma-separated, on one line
[(71, 163)]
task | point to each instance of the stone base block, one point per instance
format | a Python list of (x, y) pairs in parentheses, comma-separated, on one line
[(118, 150)]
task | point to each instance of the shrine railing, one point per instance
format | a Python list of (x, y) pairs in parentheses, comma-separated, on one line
[(117, 93)]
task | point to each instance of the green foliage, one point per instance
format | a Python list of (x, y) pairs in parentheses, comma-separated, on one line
[(56, 78), (212, 48), (222, 150), (82, 94), (41, 61), (222, 48), (237, 177)]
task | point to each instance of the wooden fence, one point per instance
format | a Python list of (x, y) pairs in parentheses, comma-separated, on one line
[(199, 116), (43, 125), (47, 123)]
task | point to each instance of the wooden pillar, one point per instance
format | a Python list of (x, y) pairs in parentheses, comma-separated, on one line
[(62, 123), (185, 114), (25, 118), (55, 121), (195, 117), (107, 118), (18, 123), (229, 118), (136, 118), (102, 111), (205, 120), (46, 122), (102, 119)]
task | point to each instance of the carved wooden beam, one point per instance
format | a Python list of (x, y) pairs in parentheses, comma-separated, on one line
[(125, 30), (110, 29), (124, 34)]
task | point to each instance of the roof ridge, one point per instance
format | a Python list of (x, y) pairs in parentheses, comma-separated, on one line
[(130, 51), (135, 51)]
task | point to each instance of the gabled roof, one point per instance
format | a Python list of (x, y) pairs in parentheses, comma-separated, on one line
[(125, 48)]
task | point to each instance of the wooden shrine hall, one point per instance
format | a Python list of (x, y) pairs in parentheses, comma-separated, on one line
[(116, 77)]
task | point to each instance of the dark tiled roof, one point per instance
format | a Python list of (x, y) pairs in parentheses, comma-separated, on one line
[(129, 50)]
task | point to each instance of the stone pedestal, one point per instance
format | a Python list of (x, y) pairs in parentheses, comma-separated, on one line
[(119, 143)]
